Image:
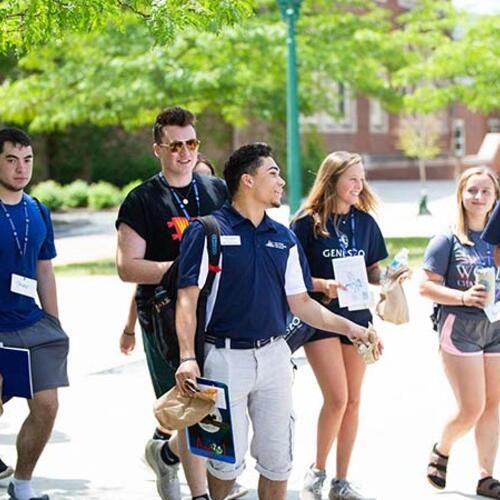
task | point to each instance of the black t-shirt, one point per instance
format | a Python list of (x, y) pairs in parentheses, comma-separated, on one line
[(154, 214)]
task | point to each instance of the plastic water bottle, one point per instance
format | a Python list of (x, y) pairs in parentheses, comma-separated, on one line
[(399, 260)]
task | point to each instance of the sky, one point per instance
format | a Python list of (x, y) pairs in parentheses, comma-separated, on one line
[(479, 6)]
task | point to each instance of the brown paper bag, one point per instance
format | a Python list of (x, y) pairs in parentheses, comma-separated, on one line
[(392, 305), (370, 353), (175, 411)]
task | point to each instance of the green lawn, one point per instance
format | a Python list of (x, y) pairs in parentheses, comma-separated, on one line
[(415, 245)]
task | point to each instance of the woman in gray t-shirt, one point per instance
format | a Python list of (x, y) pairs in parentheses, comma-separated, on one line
[(469, 342)]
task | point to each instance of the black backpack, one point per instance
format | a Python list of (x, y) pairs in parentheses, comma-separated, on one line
[(165, 299)]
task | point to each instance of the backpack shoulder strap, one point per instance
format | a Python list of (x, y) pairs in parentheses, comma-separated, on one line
[(42, 212), (212, 230)]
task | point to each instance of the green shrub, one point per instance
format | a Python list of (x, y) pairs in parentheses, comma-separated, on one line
[(76, 194), (128, 187), (49, 192), (103, 195)]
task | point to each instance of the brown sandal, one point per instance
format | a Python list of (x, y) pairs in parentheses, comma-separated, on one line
[(488, 487), (436, 470)]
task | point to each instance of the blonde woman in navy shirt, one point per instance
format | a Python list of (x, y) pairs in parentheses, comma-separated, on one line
[(335, 223)]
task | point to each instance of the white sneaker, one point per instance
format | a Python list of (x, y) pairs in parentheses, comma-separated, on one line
[(313, 484), (5, 470), (341, 489), (237, 491), (167, 482)]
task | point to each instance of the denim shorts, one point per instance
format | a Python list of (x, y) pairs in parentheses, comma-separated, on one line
[(49, 347), (260, 386), (463, 336)]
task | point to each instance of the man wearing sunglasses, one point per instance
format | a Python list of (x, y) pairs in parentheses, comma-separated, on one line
[(150, 225)]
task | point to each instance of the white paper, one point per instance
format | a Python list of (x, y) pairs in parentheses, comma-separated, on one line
[(493, 312), (23, 286), (351, 273), (221, 397)]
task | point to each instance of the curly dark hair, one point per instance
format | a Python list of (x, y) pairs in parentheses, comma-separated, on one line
[(15, 136), (245, 160), (174, 115)]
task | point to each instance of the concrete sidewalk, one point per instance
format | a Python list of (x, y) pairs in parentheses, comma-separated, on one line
[(106, 416)]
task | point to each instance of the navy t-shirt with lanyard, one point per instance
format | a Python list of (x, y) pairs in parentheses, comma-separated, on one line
[(26, 236), (356, 233), (457, 263)]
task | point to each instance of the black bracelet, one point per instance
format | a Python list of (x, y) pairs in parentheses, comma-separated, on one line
[(130, 334), (183, 360)]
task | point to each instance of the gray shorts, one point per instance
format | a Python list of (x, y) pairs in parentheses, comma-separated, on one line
[(464, 336), (260, 388), (49, 346)]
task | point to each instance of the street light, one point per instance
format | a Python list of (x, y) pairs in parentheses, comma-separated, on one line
[(290, 10)]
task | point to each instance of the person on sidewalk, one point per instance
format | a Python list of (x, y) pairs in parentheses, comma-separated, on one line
[(150, 225), (333, 224), (127, 338), (469, 343), (26, 273), (491, 232), (263, 273)]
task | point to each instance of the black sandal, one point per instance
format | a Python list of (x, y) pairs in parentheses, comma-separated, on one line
[(488, 487), (436, 470)]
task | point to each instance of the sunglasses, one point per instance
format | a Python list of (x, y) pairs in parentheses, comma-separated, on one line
[(176, 146)]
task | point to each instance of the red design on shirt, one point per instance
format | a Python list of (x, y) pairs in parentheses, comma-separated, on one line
[(179, 224)]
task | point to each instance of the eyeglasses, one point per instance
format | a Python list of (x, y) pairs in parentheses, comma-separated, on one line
[(176, 146)]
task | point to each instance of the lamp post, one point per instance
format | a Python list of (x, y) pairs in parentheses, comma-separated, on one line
[(290, 10)]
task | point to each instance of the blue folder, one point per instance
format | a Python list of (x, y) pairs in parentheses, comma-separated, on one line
[(213, 436), (15, 368)]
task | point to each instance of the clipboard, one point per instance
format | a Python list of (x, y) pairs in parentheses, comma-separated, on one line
[(213, 437), (15, 367)]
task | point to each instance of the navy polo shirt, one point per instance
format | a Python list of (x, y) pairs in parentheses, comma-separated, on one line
[(260, 267)]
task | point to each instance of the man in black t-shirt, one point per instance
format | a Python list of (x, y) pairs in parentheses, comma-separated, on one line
[(150, 224)]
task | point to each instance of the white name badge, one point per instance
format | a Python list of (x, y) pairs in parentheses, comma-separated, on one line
[(493, 312), (23, 286), (230, 240)]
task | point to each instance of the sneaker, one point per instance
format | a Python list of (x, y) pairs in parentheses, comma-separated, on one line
[(5, 470), (341, 489), (12, 494), (237, 491), (313, 484), (167, 482)]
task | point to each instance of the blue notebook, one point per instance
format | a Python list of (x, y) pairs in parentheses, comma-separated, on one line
[(15, 367), (213, 436)]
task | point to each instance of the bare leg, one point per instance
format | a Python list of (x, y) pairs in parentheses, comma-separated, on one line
[(219, 489), (194, 467), (326, 360), (271, 490), (466, 377), (35, 431), (355, 370), (487, 426)]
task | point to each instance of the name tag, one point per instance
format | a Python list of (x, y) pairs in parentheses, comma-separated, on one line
[(23, 286), (230, 240)]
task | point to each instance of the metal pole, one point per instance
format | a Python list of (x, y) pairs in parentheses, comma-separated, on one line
[(290, 12)]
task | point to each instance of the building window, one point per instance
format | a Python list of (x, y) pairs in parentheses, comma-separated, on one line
[(458, 138), (494, 125), (346, 116), (379, 118)]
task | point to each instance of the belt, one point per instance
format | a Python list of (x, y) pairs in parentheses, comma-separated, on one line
[(225, 342)]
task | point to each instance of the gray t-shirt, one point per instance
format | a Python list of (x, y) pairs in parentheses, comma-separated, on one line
[(446, 256)]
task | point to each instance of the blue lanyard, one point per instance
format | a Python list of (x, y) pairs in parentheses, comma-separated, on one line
[(344, 245), (22, 251), (178, 199)]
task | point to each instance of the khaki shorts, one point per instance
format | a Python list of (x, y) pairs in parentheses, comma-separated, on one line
[(260, 389), (49, 346)]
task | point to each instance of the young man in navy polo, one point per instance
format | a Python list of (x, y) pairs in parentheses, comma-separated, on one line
[(263, 273)]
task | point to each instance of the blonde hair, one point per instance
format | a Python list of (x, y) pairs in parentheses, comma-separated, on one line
[(321, 203), (462, 225)]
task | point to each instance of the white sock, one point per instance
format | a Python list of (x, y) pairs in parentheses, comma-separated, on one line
[(23, 489)]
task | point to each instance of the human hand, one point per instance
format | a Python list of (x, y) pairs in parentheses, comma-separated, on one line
[(330, 289), (405, 275), (185, 377), (127, 342), (475, 296)]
